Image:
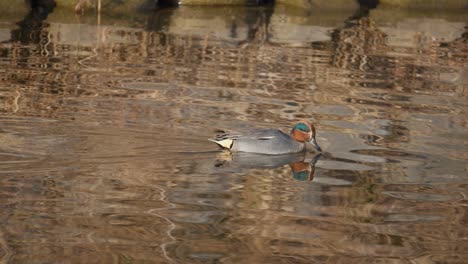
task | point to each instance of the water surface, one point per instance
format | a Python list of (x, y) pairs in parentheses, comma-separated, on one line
[(103, 128)]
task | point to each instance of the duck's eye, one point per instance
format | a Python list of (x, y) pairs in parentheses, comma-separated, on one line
[(303, 127)]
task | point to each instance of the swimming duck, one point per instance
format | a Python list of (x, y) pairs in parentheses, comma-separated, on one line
[(270, 141)]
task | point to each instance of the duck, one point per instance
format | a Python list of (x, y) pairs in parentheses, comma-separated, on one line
[(270, 141)]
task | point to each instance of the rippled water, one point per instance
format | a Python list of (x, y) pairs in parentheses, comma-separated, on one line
[(103, 128)]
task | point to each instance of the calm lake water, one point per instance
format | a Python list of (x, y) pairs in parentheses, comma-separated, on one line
[(104, 122)]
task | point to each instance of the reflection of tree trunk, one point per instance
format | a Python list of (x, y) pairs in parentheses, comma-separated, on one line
[(41, 3), (160, 19), (364, 8), (167, 2), (258, 23), (247, 2), (31, 26), (354, 42), (265, 2)]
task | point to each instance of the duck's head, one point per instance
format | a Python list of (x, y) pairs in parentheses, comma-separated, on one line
[(304, 131)]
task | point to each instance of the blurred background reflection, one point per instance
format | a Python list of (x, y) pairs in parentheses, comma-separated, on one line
[(104, 120)]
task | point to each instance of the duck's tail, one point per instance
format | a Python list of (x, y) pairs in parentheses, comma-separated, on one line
[(225, 143)]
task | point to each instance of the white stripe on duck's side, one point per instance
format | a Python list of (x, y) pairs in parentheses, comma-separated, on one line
[(226, 140)]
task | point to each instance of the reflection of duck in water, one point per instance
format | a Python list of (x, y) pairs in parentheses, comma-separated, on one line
[(304, 171), (270, 141), (301, 169)]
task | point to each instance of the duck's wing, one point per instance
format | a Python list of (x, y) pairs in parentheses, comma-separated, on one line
[(226, 139)]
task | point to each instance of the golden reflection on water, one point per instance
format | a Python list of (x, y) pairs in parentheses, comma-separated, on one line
[(104, 157)]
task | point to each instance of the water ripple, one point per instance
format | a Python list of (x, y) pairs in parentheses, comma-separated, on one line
[(103, 137)]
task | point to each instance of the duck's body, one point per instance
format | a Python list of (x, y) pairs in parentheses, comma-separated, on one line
[(269, 141), (266, 141)]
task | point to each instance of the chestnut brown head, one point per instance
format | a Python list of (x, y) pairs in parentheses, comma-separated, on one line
[(304, 131)]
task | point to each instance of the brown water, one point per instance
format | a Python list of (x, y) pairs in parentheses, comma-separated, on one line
[(104, 121)]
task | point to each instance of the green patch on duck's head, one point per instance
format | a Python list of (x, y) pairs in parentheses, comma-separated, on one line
[(302, 127), (303, 131)]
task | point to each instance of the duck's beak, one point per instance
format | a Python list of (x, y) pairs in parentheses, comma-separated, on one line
[(313, 141)]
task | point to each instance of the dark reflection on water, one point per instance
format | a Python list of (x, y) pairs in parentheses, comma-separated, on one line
[(301, 169), (103, 137)]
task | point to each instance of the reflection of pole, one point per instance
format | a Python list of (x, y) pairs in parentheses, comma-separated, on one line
[(98, 29), (99, 12)]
